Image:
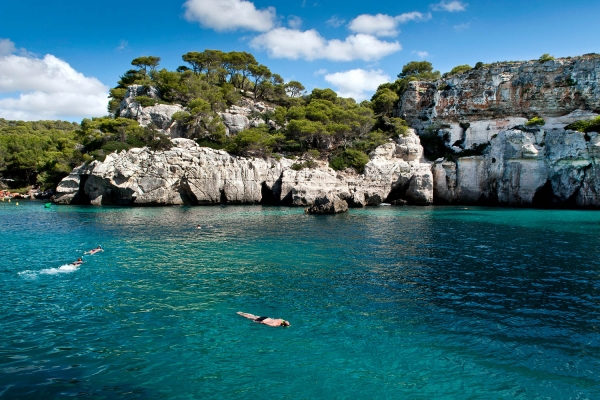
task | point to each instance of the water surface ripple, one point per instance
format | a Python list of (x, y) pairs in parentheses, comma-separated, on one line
[(419, 303)]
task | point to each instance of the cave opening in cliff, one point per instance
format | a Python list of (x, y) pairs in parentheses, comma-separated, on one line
[(545, 198), (81, 198), (267, 196)]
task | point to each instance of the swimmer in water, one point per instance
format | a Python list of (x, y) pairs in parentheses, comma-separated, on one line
[(94, 251), (265, 320), (198, 227), (77, 263)]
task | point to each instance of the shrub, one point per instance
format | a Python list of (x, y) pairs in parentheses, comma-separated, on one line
[(111, 146), (535, 121), (145, 101), (546, 57), (305, 164), (350, 158), (592, 125), (460, 69)]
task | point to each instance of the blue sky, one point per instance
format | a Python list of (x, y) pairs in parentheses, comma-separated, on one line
[(58, 59)]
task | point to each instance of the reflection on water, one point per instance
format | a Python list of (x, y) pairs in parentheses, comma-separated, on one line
[(387, 302)]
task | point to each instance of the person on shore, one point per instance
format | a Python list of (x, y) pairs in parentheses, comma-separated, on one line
[(265, 320), (94, 251)]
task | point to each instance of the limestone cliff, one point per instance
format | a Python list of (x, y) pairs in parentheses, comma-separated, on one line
[(236, 118), (189, 174), (486, 109)]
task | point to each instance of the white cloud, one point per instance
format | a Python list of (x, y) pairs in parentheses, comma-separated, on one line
[(357, 83), (335, 21), (421, 54), (462, 27), (48, 88), (7, 47), (449, 6), (310, 45), (384, 25), (412, 16), (377, 25), (294, 22), (230, 15)]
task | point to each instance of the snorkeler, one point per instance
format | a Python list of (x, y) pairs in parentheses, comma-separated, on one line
[(94, 251), (265, 320), (77, 263)]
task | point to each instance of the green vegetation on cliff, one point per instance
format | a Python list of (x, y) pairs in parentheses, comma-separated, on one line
[(214, 81), (586, 126), (37, 153)]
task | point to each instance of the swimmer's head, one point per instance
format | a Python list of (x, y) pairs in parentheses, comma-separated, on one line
[(285, 323)]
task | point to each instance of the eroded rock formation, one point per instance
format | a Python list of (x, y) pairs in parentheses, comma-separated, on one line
[(328, 203), (487, 109), (189, 174)]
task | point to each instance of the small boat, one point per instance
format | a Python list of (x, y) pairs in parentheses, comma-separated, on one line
[(48, 205), (384, 204)]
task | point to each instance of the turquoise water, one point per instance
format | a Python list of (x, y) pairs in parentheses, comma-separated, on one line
[(407, 303)]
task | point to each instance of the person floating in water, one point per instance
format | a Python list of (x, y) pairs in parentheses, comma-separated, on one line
[(198, 227), (77, 263), (94, 251), (265, 320)]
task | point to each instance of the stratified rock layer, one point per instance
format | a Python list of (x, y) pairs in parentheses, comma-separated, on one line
[(189, 174), (488, 107)]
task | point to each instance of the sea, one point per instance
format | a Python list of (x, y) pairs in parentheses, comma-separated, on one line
[(448, 302)]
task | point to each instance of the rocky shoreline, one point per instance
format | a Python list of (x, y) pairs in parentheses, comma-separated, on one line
[(190, 174), (479, 116)]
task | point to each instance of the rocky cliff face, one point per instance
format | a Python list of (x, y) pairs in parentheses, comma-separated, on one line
[(236, 118), (488, 107), (160, 115), (189, 174)]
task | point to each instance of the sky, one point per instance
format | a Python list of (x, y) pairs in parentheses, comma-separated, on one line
[(59, 59)]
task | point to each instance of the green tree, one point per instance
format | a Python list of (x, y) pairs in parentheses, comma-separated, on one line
[(294, 88), (196, 60), (146, 62), (422, 70), (384, 100)]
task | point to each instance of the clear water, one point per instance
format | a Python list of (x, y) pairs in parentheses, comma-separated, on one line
[(407, 303)]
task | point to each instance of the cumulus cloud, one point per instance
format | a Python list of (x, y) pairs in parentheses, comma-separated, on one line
[(357, 83), (47, 88), (310, 45), (230, 15), (384, 25), (377, 25), (449, 6), (335, 21)]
